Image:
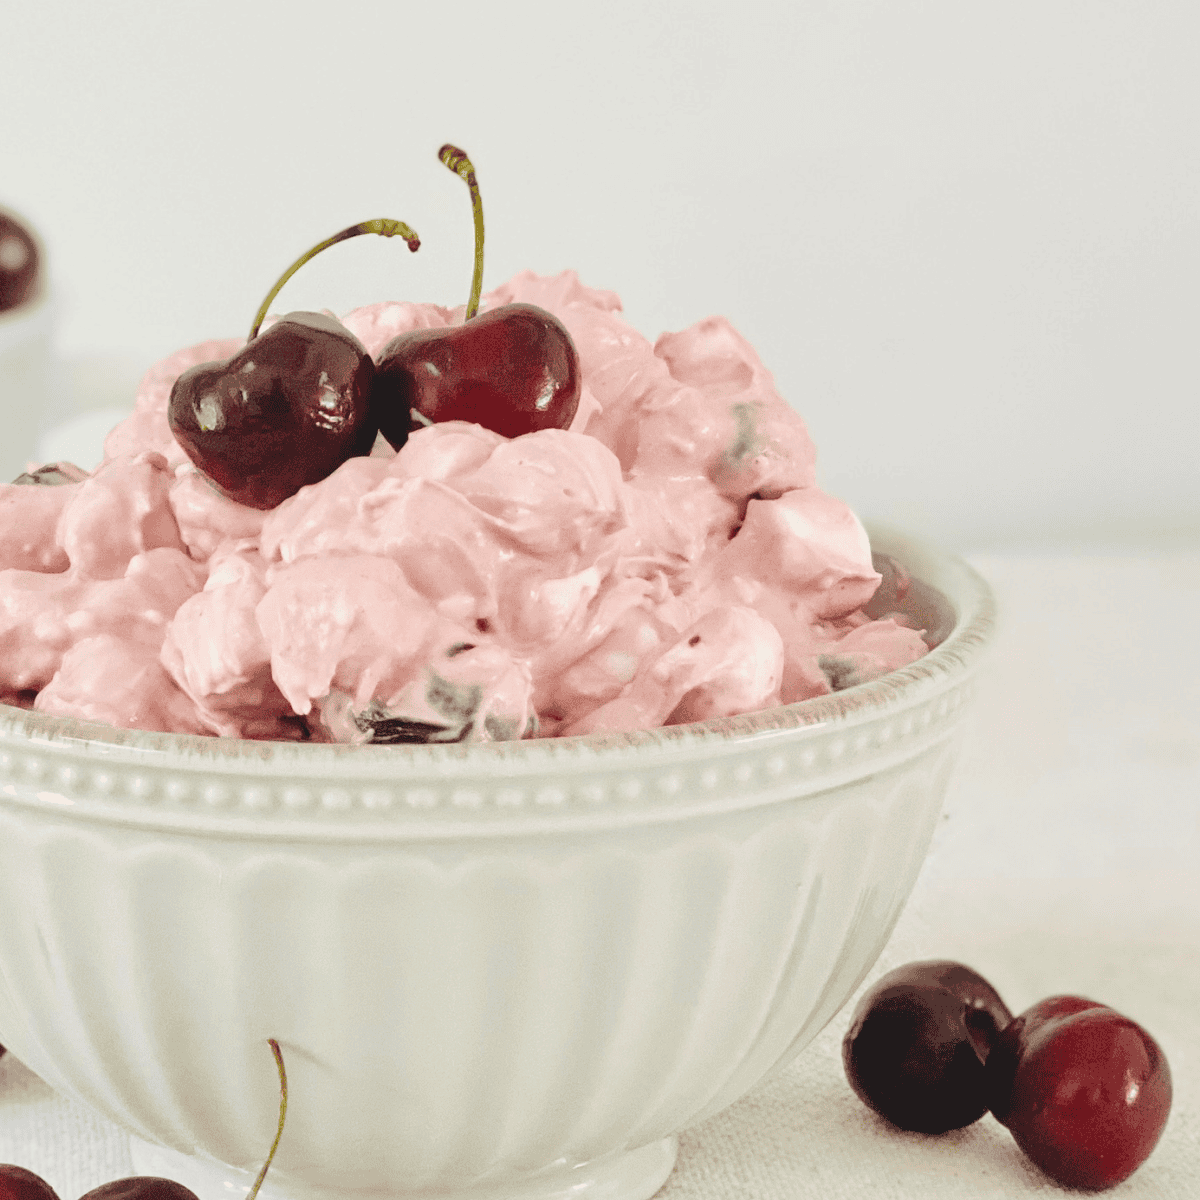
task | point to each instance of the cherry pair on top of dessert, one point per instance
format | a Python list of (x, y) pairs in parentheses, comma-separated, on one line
[(19, 263), (1084, 1091), (299, 400), (18, 1183)]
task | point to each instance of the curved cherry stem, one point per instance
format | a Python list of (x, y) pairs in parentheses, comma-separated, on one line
[(384, 226), (282, 1114), (462, 166)]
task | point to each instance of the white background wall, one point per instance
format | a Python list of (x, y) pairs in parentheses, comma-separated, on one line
[(965, 236)]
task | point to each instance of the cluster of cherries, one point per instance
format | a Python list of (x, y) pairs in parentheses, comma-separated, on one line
[(17, 1183), (19, 263), (300, 399), (1084, 1091)]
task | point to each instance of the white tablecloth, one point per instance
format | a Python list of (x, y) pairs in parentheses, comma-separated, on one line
[(1066, 861)]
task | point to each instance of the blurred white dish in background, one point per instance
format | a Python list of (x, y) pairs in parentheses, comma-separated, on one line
[(93, 392), (80, 439)]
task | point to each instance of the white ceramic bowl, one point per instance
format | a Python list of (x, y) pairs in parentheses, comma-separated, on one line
[(507, 970)]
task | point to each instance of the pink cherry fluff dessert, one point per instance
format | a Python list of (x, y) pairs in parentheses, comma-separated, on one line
[(667, 558)]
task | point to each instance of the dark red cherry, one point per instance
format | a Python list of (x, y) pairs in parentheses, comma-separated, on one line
[(1084, 1091), (512, 369), (141, 1187), (19, 263), (16, 1183), (286, 410), (916, 1048), (1014, 1041)]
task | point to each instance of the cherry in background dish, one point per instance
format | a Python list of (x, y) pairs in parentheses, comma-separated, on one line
[(19, 263)]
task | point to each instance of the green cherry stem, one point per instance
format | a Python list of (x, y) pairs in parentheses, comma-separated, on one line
[(384, 226), (462, 166), (282, 1114)]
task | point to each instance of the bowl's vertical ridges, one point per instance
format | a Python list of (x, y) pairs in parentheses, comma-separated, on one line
[(461, 1011), (716, 869), (671, 892), (794, 845), (507, 971), (478, 945), (834, 932), (66, 939), (30, 965), (684, 884), (400, 926), (576, 945), (156, 996), (283, 977), (886, 867)]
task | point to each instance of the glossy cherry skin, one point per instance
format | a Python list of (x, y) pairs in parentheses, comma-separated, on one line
[(512, 369), (1084, 1091), (19, 265), (16, 1183), (141, 1187), (916, 1047), (1014, 1041), (286, 410)]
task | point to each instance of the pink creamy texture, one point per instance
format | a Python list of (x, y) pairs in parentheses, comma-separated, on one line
[(668, 558)]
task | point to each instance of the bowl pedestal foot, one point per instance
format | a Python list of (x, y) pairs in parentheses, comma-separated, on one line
[(627, 1175)]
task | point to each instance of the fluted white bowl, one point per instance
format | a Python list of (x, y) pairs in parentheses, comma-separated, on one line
[(506, 970)]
